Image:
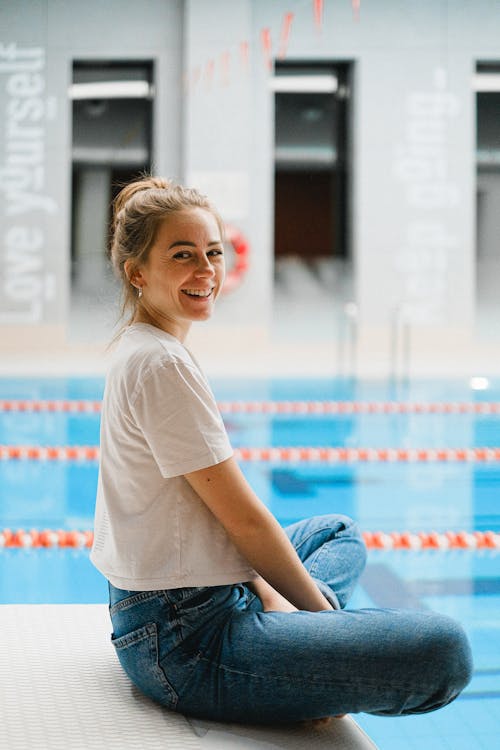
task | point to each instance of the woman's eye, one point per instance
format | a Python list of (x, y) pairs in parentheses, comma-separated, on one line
[(186, 254)]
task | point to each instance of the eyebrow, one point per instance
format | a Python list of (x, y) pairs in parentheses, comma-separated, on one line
[(183, 243)]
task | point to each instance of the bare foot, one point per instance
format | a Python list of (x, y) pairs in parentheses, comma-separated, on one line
[(323, 722)]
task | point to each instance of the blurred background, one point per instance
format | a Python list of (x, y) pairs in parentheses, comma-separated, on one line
[(354, 149)]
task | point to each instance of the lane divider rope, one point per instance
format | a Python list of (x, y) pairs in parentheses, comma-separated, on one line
[(327, 455), (50, 406), (414, 541), (368, 455), (374, 540), (279, 407), (49, 453), (357, 407), (45, 538)]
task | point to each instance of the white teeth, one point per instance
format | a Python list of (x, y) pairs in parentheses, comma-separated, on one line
[(198, 292)]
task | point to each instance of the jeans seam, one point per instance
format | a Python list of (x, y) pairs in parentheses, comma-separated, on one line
[(318, 531), (367, 681), (131, 601), (314, 566)]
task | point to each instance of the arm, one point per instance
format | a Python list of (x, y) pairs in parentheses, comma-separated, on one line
[(256, 533), (271, 600)]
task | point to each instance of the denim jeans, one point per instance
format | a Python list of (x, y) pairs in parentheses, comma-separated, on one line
[(211, 652)]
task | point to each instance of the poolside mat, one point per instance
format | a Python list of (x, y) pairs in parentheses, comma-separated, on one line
[(61, 687)]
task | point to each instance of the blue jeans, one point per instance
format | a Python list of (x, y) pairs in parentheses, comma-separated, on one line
[(212, 652)]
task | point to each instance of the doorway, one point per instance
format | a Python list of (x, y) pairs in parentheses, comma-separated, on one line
[(487, 86), (112, 114), (312, 238)]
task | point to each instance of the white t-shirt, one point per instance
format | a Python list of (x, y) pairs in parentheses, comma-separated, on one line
[(159, 421)]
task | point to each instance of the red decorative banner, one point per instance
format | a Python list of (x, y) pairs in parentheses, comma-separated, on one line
[(318, 13), (196, 76), (356, 7), (224, 64), (285, 35), (209, 72), (245, 54), (265, 38)]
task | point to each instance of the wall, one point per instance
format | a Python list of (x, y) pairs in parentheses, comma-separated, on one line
[(227, 153), (39, 41), (413, 146)]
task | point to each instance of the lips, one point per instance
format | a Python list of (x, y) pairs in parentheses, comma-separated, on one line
[(198, 293)]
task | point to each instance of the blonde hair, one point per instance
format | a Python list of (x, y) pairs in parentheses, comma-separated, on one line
[(138, 210)]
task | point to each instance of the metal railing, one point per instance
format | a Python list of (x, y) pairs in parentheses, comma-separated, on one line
[(347, 343), (400, 344), (399, 365)]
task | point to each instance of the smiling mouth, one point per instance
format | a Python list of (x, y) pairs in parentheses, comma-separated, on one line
[(198, 293)]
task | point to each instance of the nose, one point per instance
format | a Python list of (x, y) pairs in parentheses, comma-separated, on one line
[(204, 267)]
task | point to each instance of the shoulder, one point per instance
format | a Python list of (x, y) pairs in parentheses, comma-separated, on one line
[(144, 354)]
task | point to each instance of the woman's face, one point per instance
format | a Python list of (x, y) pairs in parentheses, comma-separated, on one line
[(184, 272)]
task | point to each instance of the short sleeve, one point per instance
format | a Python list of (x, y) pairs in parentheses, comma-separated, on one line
[(178, 416)]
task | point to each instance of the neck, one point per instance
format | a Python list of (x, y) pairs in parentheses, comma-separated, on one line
[(175, 329)]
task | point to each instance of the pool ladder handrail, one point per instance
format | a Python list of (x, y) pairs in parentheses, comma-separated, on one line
[(347, 342), (400, 344)]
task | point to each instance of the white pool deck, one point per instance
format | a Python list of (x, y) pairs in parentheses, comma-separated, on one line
[(62, 688)]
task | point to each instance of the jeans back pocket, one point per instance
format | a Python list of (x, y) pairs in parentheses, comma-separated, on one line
[(138, 654)]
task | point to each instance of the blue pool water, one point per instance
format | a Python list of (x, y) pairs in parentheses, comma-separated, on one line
[(396, 496)]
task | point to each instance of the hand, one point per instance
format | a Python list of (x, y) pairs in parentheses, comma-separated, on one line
[(272, 601), (257, 534), (277, 603)]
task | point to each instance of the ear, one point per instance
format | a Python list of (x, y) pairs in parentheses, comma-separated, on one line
[(133, 273)]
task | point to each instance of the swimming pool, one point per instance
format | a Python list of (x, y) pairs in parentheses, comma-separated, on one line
[(408, 460)]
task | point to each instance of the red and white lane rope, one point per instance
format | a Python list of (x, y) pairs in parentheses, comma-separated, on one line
[(374, 540), (50, 406), (49, 453), (326, 455), (280, 407), (356, 407), (45, 538), (433, 540), (368, 455)]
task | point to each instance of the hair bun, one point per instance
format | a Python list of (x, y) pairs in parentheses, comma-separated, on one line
[(148, 182)]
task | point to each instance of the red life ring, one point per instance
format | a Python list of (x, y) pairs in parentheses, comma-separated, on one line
[(240, 247)]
